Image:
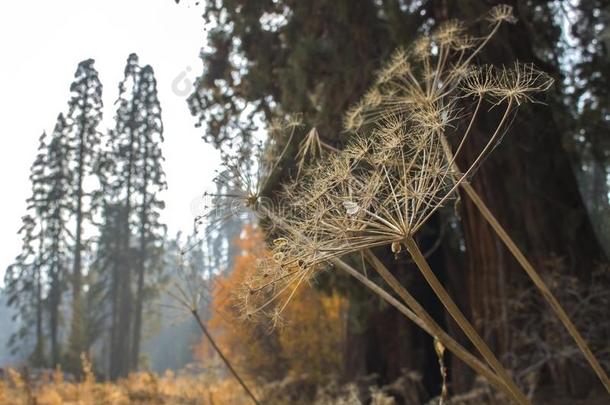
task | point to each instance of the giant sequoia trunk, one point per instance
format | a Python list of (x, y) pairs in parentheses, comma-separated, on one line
[(529, 184)]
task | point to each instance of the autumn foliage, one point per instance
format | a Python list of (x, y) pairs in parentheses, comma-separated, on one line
[(308, 342)]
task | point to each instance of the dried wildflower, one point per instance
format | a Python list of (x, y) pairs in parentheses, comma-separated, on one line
[(395, 174), (421, 48), (397, 66), (463, 43), (293, 121), (520, 83), (448, 32), (353, 120), (310, 148), (501, 13), (372, 98), (479, 81)]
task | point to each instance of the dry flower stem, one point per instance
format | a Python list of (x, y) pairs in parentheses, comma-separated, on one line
[(432, 329), (535, 277), (531, 272), (460, 319), (440, 352), (435, 330), (222, 356)]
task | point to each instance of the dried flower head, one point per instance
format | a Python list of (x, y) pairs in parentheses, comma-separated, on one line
[(520, 83), (448, 32), (397, 66), (397, 170), (501, 13), (479, 81)]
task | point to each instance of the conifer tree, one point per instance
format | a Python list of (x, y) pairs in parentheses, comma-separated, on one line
[(151, 181), (57, 233), (35, 280), (24, 277), (123, 146), (23, 293), (85, 114), (106, 267), (136, 180), (36, 203)]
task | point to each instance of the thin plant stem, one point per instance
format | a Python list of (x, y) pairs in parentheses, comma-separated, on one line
[(434, 328), (540, 284), (440, 352), (222, 356), (531, 272), (460, 319), (472, 166)]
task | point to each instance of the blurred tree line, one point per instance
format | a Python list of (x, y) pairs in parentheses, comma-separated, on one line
[(548, 184), (92, 240)]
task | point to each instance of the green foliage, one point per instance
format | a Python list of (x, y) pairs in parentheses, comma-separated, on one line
[(281, 57)]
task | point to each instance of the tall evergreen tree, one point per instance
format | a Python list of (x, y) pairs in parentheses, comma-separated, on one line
[(35, 281), (136, 181), (37, 204), (57, 233), (105, 268), (84, 116), (23, 291), (151, 182), (24, 278), (123, 146)]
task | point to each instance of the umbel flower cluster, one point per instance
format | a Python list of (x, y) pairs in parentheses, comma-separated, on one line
[(398, 167)]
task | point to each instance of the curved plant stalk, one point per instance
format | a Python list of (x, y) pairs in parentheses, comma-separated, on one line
[(187, 298), (205, 331), (460, 319), (531, 272), (419, 310)]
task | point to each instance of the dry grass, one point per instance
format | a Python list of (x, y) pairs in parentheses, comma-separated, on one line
[(140, 388)]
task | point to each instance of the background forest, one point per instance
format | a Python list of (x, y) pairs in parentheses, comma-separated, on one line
[(103, 305)]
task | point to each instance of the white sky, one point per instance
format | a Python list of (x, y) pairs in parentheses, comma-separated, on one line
[(41, 43)]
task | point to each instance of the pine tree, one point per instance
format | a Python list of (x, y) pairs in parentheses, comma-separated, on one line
[(39, 268), (123, 146), (23, 293), (37, 204), (24, 278), (135, 183), (105, 276), (151, 181), (57, 234), (84, 116)]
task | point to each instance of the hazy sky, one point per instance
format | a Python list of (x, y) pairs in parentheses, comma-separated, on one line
[(42, 41)]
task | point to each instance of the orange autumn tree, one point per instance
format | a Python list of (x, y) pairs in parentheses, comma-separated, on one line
[(309, 342)]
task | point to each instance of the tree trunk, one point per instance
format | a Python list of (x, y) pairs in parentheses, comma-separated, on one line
[(54, 297), (529, 184), (123, 346), (76, 340), (137, 327)]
